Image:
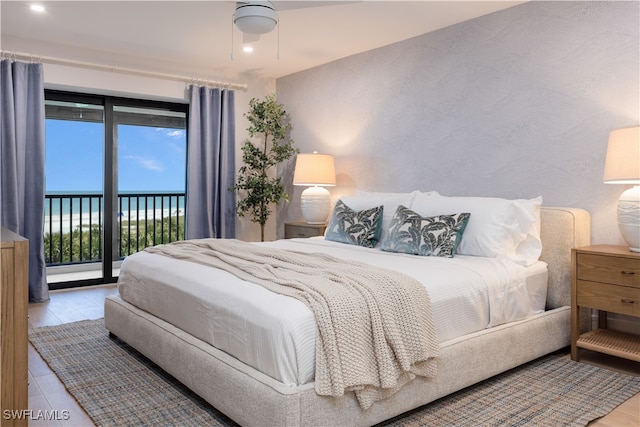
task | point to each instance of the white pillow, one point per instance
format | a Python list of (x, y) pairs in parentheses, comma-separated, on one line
[(497, 227), (529, 250), (365, 200)]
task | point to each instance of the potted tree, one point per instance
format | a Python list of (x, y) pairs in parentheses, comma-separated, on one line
[(258, 189)]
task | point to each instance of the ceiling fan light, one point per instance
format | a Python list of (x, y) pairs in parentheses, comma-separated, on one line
[(255, 17)]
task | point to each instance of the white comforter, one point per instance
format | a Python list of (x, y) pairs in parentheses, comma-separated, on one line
[(276, 334)]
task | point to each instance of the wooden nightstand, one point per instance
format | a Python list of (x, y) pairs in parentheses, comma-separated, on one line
[(607, 278), (302, 229)]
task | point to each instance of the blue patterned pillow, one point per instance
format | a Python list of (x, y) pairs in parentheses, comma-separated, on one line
[(439, 235), (356, 228)]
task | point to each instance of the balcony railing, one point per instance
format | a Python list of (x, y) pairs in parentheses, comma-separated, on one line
[(74, 222)]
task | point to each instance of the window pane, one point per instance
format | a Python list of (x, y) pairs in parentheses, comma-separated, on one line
[(74, 147), (151, 177), (74, 176), (151, 159)]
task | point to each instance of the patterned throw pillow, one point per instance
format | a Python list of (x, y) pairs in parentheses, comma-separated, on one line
[(355, 228), (439, 235)]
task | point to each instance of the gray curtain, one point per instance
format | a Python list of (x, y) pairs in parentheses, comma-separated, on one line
[(22, 151), (211, 207)]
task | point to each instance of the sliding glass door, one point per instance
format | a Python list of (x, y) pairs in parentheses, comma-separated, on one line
[(74, 204), (115, 174), (151, 177)]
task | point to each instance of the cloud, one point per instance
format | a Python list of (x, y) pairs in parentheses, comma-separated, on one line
[(175, 134), (150, 164), (172, 133)]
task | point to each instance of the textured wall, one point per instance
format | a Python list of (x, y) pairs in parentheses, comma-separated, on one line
[(514, 104)]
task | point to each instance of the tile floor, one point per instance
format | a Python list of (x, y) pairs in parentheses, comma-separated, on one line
[(46, 392)]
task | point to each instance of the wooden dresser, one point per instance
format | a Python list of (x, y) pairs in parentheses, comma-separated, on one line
[(14, 296), (607, 278)]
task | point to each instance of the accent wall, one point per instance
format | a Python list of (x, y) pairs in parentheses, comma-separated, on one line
[(515, 104)]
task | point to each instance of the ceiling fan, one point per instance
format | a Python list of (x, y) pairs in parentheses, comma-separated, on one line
[(253, 17)]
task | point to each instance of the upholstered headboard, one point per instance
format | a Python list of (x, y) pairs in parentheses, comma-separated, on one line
[(560, 230)]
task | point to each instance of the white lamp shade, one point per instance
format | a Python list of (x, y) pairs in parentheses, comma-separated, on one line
[(315, 169), (623, 157), (623, 167)]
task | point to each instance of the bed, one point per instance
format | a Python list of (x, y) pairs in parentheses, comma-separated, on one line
[(280, 393)]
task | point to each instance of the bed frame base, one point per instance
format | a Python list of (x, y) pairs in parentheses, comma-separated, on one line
[(252, 398)]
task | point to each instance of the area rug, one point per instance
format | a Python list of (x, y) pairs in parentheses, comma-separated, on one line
[(117, 386)]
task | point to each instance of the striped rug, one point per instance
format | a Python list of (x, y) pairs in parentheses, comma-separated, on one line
[(117, 386)]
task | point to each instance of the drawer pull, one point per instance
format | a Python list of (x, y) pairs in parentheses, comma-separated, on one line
[(628, 273), (627, 301)]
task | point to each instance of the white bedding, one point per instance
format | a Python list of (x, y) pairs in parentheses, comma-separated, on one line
[(276, 334)]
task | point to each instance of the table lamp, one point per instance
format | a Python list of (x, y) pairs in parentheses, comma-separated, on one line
[(623, 167), (316, 171)]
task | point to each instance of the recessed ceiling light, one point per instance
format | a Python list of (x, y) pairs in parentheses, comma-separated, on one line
[(37, 8), (248, 49)]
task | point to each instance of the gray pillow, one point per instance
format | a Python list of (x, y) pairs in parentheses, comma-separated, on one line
[(355, 228), (411, 233)]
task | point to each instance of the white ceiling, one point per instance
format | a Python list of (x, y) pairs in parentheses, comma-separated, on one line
[(194, 38)]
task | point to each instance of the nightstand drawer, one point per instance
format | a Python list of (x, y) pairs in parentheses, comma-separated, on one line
[(300, 229), (614, 270), (617, 299)]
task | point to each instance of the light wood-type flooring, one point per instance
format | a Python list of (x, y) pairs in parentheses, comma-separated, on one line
[(46, 392)]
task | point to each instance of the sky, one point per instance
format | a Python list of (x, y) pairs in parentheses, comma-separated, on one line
[(149, 159)]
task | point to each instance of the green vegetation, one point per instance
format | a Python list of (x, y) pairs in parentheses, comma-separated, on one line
[(86, 245), (270, 123)]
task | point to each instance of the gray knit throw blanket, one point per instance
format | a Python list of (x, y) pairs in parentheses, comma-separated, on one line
[(375, 326)]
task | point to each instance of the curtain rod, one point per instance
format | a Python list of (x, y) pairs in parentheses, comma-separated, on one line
[(99, 67)]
